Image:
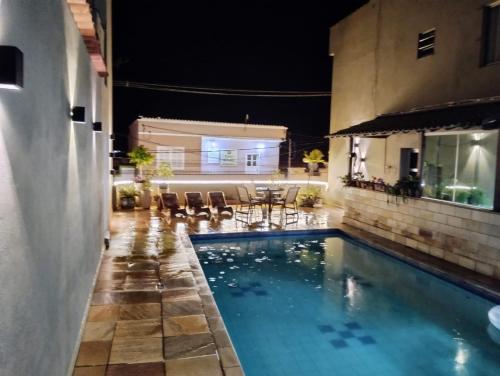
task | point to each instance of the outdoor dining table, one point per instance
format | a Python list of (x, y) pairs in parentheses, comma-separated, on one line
[(268, 199)]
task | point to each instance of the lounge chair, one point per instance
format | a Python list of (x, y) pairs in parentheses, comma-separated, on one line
[(170, 201), (194, 202), (247, 204), (217, 200), (288, 205)]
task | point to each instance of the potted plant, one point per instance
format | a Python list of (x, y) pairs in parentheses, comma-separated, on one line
[(358, 178), (163, 172), (346, 180), (142, 157), (378, 184), (310, 196), (313, 158), (414, 186), (128, 194)]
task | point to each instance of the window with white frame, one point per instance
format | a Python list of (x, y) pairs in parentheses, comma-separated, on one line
[(252, 162), (173, 155)]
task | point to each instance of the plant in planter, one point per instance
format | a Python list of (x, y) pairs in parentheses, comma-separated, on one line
[(358, 178), (142, 157), (414, 186), (378, 184), (310, 196), (163, 172), (346, 180), (313, 159), (128, 194)]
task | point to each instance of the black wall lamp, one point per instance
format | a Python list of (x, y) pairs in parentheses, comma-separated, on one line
[(363, 159), (11, 68), (97, 126), (78, 114)]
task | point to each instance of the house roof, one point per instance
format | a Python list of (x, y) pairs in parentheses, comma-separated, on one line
[(213, 123), (477, 114)]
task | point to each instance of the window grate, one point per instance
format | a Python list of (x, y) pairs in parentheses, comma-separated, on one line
[(426, 43)]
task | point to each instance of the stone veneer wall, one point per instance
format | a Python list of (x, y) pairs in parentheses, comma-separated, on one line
[(467, 237)]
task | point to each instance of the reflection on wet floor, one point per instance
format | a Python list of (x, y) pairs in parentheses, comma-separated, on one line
[(152, 311)]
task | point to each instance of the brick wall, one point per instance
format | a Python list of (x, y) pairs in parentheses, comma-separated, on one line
[(467, 237)]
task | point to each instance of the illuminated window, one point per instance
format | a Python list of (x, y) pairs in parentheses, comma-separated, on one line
[(460, 167), (491, 35), (213, 154), (426, 43), (173, 155)]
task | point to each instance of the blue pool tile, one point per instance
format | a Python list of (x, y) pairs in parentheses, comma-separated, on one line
[(353, 325), (237, 294), (346, 334), (366, 340), (326, 328), (338, 343), (260, 293), (254, 284)]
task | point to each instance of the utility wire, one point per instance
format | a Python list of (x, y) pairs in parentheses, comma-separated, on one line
[(220, 91)]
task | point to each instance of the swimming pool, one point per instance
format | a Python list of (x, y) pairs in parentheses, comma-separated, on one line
[(324, 305)]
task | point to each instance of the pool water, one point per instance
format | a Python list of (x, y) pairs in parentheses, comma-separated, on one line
[(324, 305)]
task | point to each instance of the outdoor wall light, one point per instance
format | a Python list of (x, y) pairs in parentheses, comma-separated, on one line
[(112, 172), (97, 126), (356, 145), (78, 114), (11, 68), (111, 136), (363, 159)]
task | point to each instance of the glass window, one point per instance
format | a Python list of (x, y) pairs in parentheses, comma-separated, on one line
[(460, 167), (213, 155), (491, 37), (173, 155), (252, 160)]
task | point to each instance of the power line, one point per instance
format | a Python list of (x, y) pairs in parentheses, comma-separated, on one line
[(221, 91)]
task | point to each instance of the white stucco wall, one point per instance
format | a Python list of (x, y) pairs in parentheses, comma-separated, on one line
[(52, 214)]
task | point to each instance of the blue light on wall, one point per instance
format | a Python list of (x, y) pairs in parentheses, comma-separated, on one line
[(11, 68)]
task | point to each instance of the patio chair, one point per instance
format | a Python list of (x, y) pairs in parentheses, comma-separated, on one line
[(170, 201), (288, 205), (217, 200), (194, 202), (246, 205)]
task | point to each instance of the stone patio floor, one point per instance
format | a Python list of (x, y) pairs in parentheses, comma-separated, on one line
[(152, 312)]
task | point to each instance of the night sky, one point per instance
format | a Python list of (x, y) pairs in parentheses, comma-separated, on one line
[(211, 44)]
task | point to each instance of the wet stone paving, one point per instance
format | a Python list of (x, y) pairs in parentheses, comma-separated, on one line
[(152, 312)]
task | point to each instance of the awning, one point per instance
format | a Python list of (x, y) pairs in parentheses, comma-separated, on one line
[(470, 115)]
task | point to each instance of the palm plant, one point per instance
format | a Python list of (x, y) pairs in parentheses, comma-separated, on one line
[(312, 159), (141, 157)]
